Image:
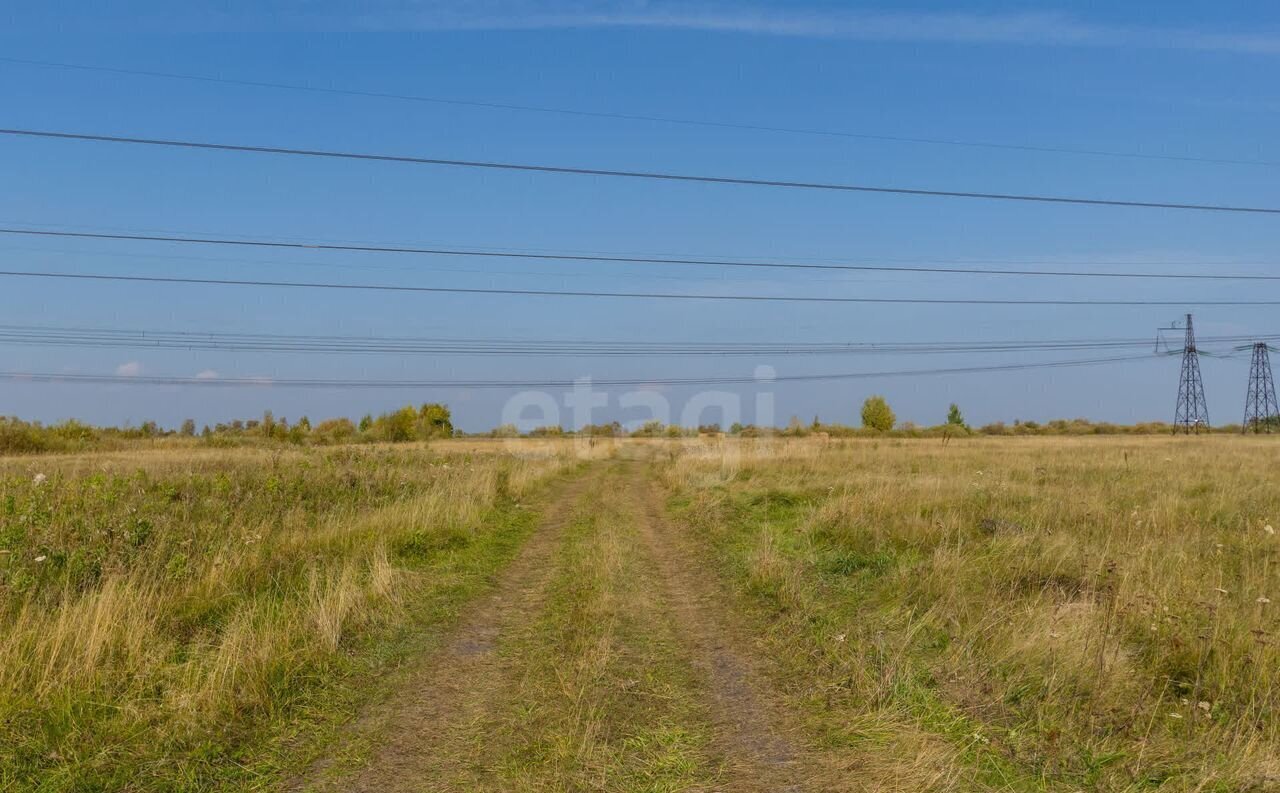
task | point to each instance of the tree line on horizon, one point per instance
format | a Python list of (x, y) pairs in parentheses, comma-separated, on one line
[(434, 421), (429, 421)]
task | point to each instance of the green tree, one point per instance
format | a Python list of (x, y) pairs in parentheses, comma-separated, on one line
[(437, 421), (397, 427), (877, 415), (188, 428), (954, 417)]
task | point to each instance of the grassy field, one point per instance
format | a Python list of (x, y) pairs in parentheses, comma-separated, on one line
[(1013, 614), (1021, 614), (193, 619)]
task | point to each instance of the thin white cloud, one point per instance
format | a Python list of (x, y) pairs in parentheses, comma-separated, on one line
[(207, 374), (1040, 28), (1030, 28), (130, 369)]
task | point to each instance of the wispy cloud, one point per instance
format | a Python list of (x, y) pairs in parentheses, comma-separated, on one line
[(1040, 28), (207, 374), (130, 369), (811, 19)]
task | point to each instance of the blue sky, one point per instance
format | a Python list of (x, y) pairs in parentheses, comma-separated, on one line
[(1177, 79)]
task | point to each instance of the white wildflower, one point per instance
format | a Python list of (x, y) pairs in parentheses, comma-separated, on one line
[(1205, 706), (41, 558), (839, 637), (1267, 528), (1264, 600), (39, 480)]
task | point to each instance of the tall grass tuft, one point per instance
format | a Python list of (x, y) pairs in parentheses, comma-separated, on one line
[(168, 618)]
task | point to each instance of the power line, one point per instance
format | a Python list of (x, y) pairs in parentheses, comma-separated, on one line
[(478, 384), (462, 267), (931, 141), (39, 335), (635, 295), (29, 226), (575, 257), (648, 175)]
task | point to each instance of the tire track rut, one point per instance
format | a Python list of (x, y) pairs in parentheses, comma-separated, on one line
[(457, 683), (759, 754)]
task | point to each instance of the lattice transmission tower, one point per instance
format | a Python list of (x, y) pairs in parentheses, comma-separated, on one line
[(1192, 413), (1261, 412)]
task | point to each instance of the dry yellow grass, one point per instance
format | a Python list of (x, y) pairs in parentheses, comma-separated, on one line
[(1072, 612), (165, 610), (985, 614)]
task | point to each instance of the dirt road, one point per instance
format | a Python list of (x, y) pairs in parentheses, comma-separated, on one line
[(604, 659)]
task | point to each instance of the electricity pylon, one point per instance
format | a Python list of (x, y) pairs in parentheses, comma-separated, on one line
[(1192, 412), (1261, 412)]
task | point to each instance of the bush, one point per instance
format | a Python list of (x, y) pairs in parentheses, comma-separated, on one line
[(334, 431), (650, 429), (877, 415), (19, 437), (505, 431)]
